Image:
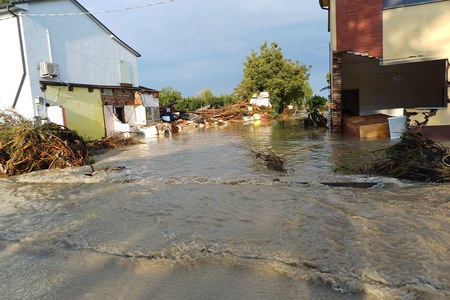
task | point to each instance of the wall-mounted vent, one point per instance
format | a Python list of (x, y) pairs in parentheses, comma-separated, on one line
[(48, 69)]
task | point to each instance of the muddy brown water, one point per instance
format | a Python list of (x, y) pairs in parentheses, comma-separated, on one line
[(193, 216)]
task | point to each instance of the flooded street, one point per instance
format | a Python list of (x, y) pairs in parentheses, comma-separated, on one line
[(193, 216)]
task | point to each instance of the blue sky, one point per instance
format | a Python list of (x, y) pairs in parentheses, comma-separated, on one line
[(191, 45)]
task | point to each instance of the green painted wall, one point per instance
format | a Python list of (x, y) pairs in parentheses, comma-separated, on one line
[(83, 109)]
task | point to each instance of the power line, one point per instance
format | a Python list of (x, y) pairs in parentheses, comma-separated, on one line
[(100, 11)]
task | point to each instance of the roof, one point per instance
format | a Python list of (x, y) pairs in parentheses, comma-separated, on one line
[(44, 83), (84, 10), (324, 3)]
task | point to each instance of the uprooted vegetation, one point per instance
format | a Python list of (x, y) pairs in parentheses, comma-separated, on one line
[(270, 160), (413, 157), (26, 147), (112, 142)]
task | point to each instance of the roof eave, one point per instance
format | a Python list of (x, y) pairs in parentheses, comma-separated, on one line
[(106, 29), (324, 4)]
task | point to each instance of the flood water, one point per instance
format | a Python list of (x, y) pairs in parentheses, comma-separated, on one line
[(194, 216)]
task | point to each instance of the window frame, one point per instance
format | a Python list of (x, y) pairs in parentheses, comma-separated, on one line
[(388, 4)]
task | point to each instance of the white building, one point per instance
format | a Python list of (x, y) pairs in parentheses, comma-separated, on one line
[(54, 53)]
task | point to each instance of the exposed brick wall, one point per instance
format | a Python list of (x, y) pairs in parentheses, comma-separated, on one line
[(336, 96), (359, 26)]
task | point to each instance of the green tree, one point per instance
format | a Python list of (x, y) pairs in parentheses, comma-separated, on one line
[(287, 81), (206, 96), (315, 106), (168, 95)]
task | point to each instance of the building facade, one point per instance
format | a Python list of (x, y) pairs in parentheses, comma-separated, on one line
[(55, 53), (389, 56)]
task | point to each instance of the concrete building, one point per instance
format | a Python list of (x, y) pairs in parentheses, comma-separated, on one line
[(60, 63), (388, 56)]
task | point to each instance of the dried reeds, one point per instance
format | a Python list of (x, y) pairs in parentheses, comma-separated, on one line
[(26, 146), (413, 157), (112, 142), (270, 160)]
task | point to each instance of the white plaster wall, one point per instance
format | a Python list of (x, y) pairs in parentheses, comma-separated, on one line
[(135, 115), (150, 100), (110, 119), (37, 48), (11, 70), (141, 117), (84, 51)]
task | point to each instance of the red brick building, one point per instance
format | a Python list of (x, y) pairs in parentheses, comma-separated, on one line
[(389, 56)]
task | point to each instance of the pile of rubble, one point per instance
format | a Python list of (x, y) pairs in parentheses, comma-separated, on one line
[(113, 142), (175, 122), (239, 112)]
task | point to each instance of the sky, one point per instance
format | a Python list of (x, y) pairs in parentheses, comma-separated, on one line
[(192, 45)]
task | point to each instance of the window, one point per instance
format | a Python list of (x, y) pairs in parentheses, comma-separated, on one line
[(399, 3), (126, 72), (107, 92), (119, 111)]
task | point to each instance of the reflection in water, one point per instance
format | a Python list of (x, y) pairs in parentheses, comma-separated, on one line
[(193, 217)]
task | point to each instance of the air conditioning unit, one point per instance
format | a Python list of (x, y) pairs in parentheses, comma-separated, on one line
[(48, 69)]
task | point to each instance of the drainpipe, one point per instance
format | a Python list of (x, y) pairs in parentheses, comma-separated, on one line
[(22, 53)]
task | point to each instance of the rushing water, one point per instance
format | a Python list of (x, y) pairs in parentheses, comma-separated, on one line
[(193, 216)]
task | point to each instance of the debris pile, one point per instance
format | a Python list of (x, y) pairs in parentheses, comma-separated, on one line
[(287, 113), (238, 112), (413, 157), (26, 147), (189, 121), (112, 142), (270, 160)]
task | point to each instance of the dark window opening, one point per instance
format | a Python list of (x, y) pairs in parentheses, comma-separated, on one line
[(120, 113)]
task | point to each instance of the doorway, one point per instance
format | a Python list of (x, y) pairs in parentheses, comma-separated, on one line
[(350, 103)]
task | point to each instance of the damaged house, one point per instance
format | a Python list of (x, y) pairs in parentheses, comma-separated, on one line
[(389, 57), (59, 63)]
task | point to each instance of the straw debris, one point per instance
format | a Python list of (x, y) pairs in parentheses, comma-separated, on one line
[(270, 160), (26, 146), (413, 157), (112, 142)]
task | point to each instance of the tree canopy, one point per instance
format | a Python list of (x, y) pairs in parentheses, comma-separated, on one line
[(286, 81), (168, 95)]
